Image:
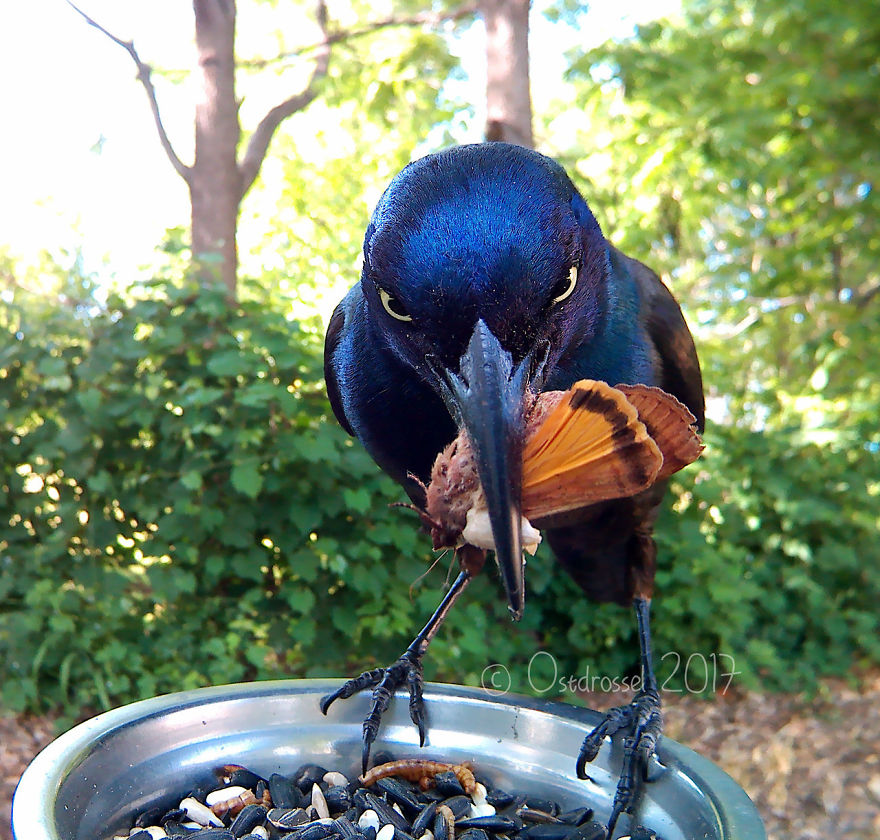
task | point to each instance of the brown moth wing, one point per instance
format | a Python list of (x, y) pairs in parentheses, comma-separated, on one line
[(669, 422), (589, 447), (451, 493)]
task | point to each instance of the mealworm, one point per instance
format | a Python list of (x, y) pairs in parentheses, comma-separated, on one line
[(234, 805), (421, 771)]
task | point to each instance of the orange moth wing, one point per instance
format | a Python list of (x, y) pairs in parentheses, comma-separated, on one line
[(587, 446)]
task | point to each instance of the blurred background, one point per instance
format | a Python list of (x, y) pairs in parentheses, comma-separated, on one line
[(178, 506)]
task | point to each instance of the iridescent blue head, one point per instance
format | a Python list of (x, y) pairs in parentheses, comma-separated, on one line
[(489, 231), (479, 262)]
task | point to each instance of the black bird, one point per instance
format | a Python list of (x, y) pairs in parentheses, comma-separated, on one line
[(485, 273)]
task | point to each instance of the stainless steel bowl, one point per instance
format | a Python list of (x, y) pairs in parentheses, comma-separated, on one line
[(92, 781)]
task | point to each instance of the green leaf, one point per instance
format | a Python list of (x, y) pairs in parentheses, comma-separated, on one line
[(246, 478)]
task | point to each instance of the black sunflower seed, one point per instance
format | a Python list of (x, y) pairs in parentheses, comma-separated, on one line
[(499, 798), (447, 783), (287, 817), (284, 792), (149, 817), (174, 815), (386, 813), (248, 819), (577, 816), (398, 792), (532, 815), (141, 835), (314, 831), (591, 831), (473, 834), (495, 825), (338, 799), (359, 799), (459, 805), (214, 834), (238, 775), (539, 804), (642, 833), (346, 828), (547, 831), (424, 819), (308, 775)]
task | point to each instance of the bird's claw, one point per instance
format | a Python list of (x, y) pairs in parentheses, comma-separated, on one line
[(642, 720), (384, 682)]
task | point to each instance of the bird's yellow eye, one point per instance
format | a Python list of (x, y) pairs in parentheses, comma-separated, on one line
[(393, 306), (563, 289)]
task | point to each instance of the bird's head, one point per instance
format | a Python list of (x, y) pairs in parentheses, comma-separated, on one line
[(483, 267)]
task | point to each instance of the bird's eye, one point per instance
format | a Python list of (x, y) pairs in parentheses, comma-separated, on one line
[(564, 288), (393, 306)]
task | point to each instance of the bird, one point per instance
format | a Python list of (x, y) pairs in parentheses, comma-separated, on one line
[(486, 276)]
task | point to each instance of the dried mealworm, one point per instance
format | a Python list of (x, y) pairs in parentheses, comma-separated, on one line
[(421, 771)]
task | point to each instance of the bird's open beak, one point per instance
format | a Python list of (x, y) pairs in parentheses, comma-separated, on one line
[(486, 399)]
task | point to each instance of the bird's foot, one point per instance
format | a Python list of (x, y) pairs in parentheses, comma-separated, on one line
[(642, 723), (384, 682)]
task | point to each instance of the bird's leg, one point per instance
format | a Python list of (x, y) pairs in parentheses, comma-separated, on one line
[(408, 669), (641, 720)]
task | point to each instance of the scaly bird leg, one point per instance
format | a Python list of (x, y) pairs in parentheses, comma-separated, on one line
[(408, 669), (641, 720)]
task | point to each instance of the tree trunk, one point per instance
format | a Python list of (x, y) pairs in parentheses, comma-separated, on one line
[(214, 179), (508, 101)]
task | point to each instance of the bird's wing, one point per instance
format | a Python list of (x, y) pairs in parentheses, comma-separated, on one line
[(335, 331), (680, 375), (589, 447)]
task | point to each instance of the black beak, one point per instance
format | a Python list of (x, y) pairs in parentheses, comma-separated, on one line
[(486, 399)]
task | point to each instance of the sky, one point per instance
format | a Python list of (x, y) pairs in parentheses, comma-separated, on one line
[(80, 164)]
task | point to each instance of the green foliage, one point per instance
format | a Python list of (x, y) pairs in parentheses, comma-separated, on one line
[(735, 151), (179, 509)]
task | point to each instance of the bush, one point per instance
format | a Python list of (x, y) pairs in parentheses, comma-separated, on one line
[(179, 508)]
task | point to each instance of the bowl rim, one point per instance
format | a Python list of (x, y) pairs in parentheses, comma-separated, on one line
[(38, 786)]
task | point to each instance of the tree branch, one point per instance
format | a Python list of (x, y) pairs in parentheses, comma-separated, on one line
[(143, 76), (258, 144), (330, 38)]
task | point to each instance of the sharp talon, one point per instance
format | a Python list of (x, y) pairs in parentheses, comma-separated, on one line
[(365, 755), (327, 700)]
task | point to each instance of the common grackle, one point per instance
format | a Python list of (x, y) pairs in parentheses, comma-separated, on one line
[(485, 273)]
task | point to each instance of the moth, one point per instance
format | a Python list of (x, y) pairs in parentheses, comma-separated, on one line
[(589, 444)]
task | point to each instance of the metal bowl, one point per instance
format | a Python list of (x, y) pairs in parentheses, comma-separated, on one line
[(93, 780)]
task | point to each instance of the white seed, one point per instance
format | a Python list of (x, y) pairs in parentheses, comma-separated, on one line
[(193, 825), (261, 831), (335, 779), (369, 818), (428, 835), (200, 813), (224, 794), (319, 803), (483, 810), (479, 794), (397, 808), (386, 832)]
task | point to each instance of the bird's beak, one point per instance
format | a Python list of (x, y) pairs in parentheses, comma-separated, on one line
[(486, 399)]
